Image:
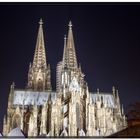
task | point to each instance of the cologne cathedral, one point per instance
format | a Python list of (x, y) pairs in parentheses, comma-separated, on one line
[(71, 110)]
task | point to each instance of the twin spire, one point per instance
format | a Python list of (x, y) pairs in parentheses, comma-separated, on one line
[(69, 54), (40, 55), (39, 72)]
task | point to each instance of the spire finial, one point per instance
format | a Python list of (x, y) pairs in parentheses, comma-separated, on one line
[(41, 22), (70, 24), (65, 37), (113, 89), (12, 85), (98, 90)]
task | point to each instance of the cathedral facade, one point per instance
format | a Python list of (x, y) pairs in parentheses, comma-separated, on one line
[(69, 111)]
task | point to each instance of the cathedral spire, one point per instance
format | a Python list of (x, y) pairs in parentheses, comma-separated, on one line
[(40, 55), (69, 56), (39, 73), (64, 52)]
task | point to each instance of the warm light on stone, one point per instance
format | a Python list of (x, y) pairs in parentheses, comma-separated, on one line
[(71, 110)]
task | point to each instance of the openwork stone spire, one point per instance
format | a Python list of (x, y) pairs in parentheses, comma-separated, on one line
[(39, 73), (39, 55), (69, 55), (65, 52)]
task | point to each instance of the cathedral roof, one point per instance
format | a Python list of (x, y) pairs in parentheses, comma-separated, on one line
[(16, 132), (29, 97), (107, 98)]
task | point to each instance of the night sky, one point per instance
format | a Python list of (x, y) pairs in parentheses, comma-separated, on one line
[(107, 42)]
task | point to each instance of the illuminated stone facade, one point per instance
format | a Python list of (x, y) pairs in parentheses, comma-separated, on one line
[(69, 111)]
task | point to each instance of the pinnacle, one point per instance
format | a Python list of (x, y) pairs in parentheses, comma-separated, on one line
[(70, 24), (41, 22), (65, 37), (97, 90)]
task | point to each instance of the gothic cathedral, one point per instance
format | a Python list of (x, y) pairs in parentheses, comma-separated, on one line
[(69, 111)]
